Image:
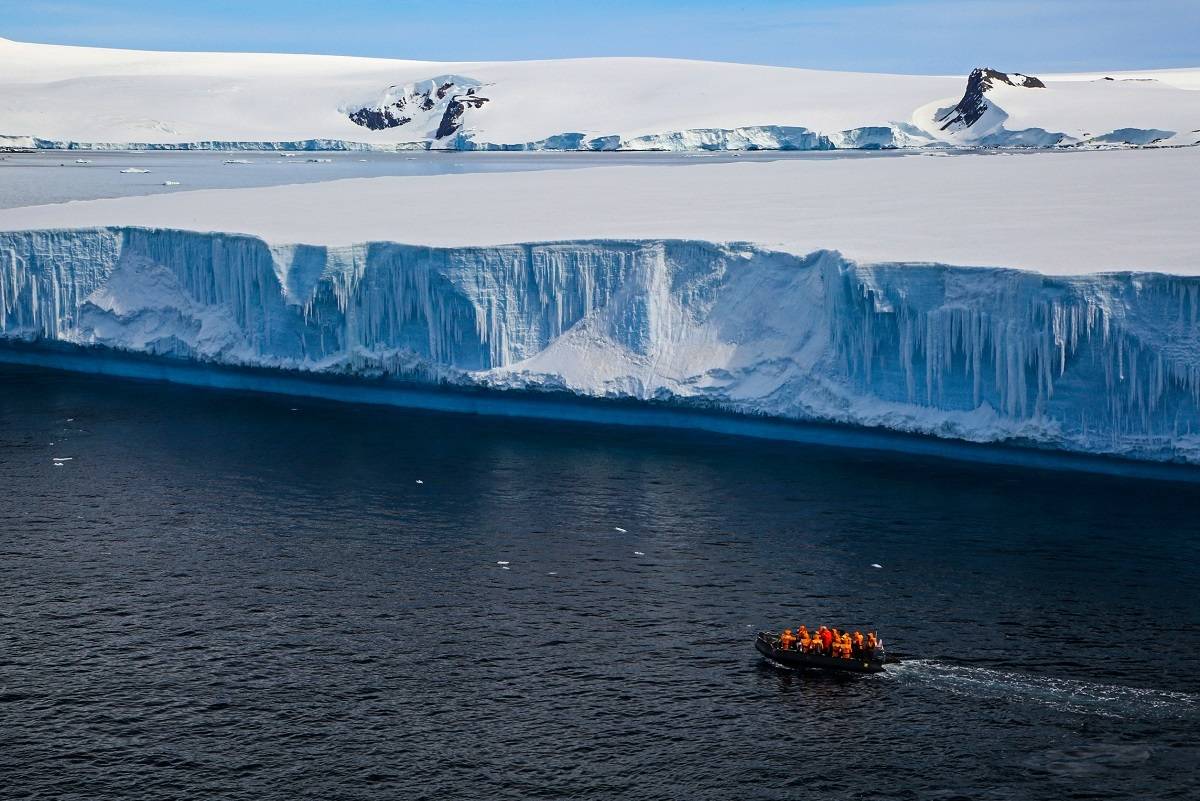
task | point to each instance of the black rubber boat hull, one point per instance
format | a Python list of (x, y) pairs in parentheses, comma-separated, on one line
[(796, 659)]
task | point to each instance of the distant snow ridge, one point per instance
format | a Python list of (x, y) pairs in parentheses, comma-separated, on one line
[(58, 96), (433, 108), (1101, 364)]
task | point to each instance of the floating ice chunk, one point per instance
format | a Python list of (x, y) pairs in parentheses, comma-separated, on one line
[(63, 458), (877, 565), (552, 573), (134, 171), (83, 161), (170, 183), (638, 553), (319, 161), (419, 481), (70, 419), (238, 161), (618, 528), (506, 567), (502, 563)]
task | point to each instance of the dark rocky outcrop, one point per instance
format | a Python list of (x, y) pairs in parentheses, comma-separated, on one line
[(422, 98), (379, 119), (973, 105)]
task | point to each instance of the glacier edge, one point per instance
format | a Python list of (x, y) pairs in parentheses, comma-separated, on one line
[(1104, 364)]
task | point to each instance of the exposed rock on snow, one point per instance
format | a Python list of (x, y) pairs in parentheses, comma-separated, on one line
[(972, 106), (433, 109)]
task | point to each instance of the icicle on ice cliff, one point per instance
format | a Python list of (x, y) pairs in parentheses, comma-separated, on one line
[(1100, 364)]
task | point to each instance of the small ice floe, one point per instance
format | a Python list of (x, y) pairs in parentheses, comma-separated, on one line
[(502, 563), (552, 573), (134, 171), (287, 155), (70, 419), (876, 565), (505, 567), (618, 528), (83, 161), (238, 161), (63, 458), (638, 553), (419, 481), (319, 161), (170, 183)]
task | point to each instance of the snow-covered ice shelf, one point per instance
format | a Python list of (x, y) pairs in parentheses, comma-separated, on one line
[(654, 295)]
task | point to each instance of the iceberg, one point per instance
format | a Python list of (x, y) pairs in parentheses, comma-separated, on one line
[(1100, 364)]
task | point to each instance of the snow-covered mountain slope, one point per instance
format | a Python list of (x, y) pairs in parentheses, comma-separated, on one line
[(344, 278), (1001, 109), (115, 98)]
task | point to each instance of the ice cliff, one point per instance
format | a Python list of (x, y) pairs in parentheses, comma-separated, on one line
[(1101, 363)]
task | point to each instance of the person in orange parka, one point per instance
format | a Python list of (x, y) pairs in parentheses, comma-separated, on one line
[(787, 639), (826, 641)]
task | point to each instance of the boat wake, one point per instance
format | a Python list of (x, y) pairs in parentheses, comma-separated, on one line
[(1063, 694)]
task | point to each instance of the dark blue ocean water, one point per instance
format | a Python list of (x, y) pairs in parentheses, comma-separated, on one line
[(225, 596)]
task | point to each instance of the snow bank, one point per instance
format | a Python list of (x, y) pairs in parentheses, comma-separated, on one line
[(1097, 364)]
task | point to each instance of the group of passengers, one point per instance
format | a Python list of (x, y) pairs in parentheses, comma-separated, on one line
[(831, 642)]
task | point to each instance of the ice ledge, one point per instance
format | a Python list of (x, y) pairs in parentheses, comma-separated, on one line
[(1101, 364), (691, 140)]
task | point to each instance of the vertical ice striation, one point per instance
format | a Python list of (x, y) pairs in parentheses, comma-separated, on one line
[(1113, 357), (1104, 363)]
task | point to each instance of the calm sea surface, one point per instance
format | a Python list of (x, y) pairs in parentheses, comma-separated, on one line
[(55, 176), (226, 596)]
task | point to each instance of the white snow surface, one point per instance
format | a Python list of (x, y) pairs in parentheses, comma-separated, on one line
[(112, 98), (1058, 213)]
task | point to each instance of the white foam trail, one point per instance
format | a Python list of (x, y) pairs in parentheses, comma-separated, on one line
[(1066, 694)]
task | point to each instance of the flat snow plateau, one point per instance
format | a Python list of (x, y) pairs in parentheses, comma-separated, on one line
[(1055, 213)]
